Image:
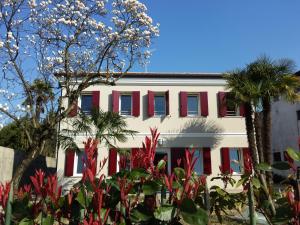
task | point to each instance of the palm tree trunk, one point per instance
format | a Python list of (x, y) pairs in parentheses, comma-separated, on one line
[(250, 133), (258, 135), (267, 138)]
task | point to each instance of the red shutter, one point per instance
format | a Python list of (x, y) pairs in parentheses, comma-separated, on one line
[(247, 156), (74, 109), (242, 110), (206, 161), (225, 159), (204, 103), (112, 161), (222, 104), (167, 103), (136, 103), (69, 162), (183, 104), (95, 99), (115, 101), (134, 160), (150, 103), (177, 154)]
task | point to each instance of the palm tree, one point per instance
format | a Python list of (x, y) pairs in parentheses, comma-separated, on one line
[(109, 127), (274, 79)]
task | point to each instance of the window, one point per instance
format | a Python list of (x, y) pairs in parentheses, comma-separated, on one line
[(192, 105), (126, 104), (199, 163), (277, 156), (80, 156), (159, 105), (232, 107), (235, 160), (163, 154), (86, 103)]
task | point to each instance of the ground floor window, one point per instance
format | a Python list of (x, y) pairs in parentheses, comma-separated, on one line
[(235, 155), (79, 159), (163, 154)]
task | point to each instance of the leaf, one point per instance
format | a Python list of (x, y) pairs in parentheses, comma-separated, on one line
[(240, 182), (49, 220), (150, 187), (281, 166), (161, 164), (264, 167), (256, 182), (26, 221), (179, 172), (138, 216), (293, 154), (164, 213), (138, 173), (81, 198), (191, 214)]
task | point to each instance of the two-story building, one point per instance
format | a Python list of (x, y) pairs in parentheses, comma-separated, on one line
[(189, 109)]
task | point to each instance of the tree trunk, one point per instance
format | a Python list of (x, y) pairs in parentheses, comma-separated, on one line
[(17, 176), (250, 133), (258, 135), (267, 138)]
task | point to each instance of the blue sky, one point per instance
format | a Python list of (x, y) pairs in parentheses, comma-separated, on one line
[(220, 35)]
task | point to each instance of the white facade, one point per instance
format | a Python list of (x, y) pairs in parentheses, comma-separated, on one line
[(210, 131)]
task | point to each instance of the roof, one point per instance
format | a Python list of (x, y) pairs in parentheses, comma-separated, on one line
[(159, 75)]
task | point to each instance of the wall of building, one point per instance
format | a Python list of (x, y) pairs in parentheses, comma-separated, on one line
[(176, 131)]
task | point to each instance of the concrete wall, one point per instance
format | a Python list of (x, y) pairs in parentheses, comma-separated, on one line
[(10, 159), (176, 131)]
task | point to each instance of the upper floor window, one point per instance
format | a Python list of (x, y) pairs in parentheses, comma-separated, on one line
[(86, 103), (80, 156), (228, 105), (126, 104), (159, 105), (193, 105)]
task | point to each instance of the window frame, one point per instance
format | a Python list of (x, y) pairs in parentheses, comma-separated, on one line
[(241, 160), (120, 104), (86, 94), (118, 159), (237, 108), (160, 94), (198, 102)]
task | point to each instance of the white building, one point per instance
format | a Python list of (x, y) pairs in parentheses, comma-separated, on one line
[(187, 108)]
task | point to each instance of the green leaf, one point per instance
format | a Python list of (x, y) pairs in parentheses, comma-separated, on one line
[(26, 221), (264, 167), (240, 182), (191, 214), (81, 198), (164, 213), (161, 164), (138, 215), (150, 187), (138, 173), (256, 182), (49, 220), (281, 166), (179, 172), (293, 154)]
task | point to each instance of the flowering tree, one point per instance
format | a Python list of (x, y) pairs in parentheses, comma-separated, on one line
[(78, 42)]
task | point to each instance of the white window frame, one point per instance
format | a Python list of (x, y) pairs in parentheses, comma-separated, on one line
[(120, 110), (76, 158), (118, 159), (158, 94), (241, 160), (198, 102), (236, 113), (168, 152)]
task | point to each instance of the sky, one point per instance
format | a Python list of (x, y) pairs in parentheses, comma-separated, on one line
[(222, 35)]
